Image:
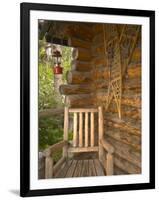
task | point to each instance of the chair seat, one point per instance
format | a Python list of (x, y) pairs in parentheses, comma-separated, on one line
[(80, 168)]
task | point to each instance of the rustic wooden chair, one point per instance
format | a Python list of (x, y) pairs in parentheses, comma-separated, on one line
[(83, 142)]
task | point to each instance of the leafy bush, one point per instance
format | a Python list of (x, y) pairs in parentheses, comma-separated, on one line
[(50, 129)]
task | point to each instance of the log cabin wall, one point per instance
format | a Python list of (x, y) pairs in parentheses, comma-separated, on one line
[(88, 83), (79, 86), (125, 133)]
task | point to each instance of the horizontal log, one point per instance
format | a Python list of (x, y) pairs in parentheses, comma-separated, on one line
[(126, 111), (81, 54), (100, 60), (101, 73), (97, 28), (126, 166), (83, 66), (131, 83), (128, 85), (130, 125), (101, 84), (126, 152), (98, 49), (77, 42), (125, 137), (80, 31), (130, 100), (50, 112), (108, 147), (75, 89), (134, 72), (136, 56), (83, 100), (98, 38), (75, 77)]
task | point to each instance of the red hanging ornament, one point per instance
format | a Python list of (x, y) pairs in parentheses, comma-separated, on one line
[(57, 69)]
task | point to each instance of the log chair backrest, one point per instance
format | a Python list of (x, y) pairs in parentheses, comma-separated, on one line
[(83, 131)]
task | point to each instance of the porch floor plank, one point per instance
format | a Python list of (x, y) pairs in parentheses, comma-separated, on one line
[(80, 168)]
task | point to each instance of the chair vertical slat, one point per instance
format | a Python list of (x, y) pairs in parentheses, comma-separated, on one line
[(92, 129), (86, 129), (75, 129), (80, 129)]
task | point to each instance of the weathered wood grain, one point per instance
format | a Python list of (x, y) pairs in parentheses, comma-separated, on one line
[(76, 77), (81, 54), (75, 89), (82, 66)]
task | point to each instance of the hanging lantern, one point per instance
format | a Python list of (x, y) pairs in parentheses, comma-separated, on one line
[(57, 69), (49, 51)]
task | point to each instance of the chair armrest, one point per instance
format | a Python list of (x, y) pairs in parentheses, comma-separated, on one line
[(107, 146), (55, 147)]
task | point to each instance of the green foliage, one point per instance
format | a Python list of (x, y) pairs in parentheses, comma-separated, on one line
[(50, 129), (66, 60)]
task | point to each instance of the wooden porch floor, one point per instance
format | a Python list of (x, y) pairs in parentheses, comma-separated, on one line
[(80, 168)]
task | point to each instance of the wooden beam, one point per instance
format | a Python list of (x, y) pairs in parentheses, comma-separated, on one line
[(75, 89), (83, 32), (51, 112), (55, 40), (78, 101), (78, 42)]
